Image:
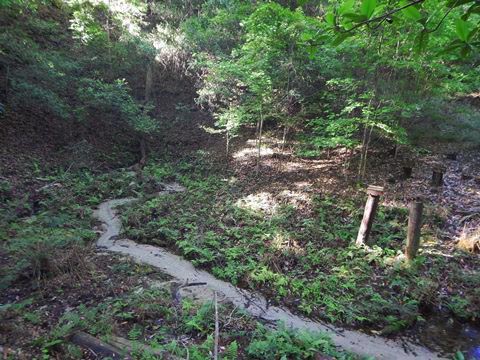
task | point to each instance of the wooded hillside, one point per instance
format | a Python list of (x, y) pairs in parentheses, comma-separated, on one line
[(317, 157)]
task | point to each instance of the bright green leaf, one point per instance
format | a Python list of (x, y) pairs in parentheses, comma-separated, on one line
[(462, 28), (346, 7), (411, 12), (330, 19), (341, 38), (456, 3), (355, 17), (368, 7)]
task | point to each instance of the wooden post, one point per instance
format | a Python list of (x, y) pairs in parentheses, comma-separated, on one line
[(407, 171), (437, 176), (451, 156), (374, 193), (414, 226)]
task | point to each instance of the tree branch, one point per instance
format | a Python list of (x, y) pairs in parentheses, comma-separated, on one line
[(443, 18), (384, 16)]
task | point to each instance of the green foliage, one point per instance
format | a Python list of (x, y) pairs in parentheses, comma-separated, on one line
[(218, 28), (292, 255), (139, 312), (42, 238), (426, 17), (40, 99), (287, 344), (286, 67), (65, 65), (114, 102)]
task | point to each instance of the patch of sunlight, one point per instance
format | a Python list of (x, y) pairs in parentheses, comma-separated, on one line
[(252, 152), (393, 204), (131, 13), (429, 240), (265, 140), (303, 184), (469, 241), (230, 180), (283, 242), (295, 197), (433, 251), (168, 41), (210, 130), (262, 202)]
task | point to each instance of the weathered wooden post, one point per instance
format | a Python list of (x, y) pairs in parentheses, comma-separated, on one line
[(451, 156), (407, 170), (414, 226), (374, 193), (437, 176)]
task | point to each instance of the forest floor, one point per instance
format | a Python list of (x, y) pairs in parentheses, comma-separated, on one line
[(285, 230), (54, 285)]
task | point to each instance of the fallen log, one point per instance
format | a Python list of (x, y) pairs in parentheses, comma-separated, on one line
[(130, 347), (98, 347), (116, 348)]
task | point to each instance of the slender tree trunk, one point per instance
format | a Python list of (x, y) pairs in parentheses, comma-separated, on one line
[(364, 141), (109, 40), (257, 128), (282, 148), (397, 150), (7, 75), (227, 150), (148, 82), (366, 152), (260, 130), (284, 138), (143, 151)]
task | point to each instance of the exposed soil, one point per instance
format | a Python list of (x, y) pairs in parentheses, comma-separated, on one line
[(456, 203)]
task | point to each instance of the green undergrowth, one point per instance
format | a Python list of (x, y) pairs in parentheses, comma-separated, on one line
[(149, 317), (305, 259), (38, 229)]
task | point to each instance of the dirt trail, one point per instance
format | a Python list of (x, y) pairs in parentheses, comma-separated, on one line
[(255, 304)]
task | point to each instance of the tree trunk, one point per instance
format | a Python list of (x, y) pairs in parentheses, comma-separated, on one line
[(109, 40), (7, 75), (227, 145), (143, 152), (260, 130), (148, 82), (362, 154), (366, 153), (284, 138)]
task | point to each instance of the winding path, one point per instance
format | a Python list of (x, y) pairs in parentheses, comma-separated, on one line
[(253, 303)]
